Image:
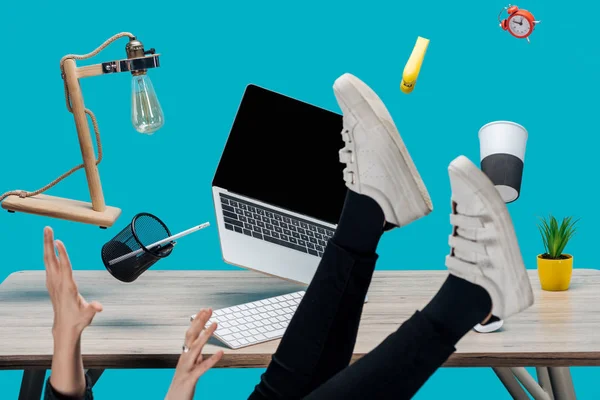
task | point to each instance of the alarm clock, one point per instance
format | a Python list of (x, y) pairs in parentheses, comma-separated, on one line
[(519, 23)]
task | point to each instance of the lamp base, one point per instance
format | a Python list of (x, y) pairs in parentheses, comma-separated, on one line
[(61, 208)]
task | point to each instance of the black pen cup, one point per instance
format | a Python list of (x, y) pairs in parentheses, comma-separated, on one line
[(133, 250)]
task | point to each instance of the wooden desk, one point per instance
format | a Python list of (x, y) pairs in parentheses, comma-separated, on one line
[(143, 323)]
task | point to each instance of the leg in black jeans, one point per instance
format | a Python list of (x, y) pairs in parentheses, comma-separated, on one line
[(405, 360), (320, 338), (396, 369)]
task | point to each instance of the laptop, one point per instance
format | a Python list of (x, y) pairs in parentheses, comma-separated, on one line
[(278, 189)]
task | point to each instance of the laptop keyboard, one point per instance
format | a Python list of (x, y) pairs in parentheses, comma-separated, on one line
[(263, 223)]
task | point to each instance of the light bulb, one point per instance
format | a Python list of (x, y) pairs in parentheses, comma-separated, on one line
[(146, 114)]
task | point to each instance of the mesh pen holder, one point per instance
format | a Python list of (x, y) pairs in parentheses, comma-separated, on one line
[(127, 255)]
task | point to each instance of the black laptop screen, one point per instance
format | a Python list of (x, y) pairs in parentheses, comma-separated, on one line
[(285, 153)]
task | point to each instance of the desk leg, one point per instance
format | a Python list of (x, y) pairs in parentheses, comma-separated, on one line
[(94, 375), (511, 384), (544, 379), (32, 384), (562, 383), (536, 390)]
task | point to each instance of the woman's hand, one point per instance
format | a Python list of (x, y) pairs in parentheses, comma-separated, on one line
[(72, 314), (192, 365)]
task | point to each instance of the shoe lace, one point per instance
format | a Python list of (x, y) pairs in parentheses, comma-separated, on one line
[(466, 249)]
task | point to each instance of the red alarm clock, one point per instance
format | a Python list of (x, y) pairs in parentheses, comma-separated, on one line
[(520, 23)]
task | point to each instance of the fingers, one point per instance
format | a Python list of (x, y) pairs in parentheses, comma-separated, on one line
[(63, 259), (201, 368), (93, 306), (90, 310), (96, 306), (197, 325), (198, 345), (193, 333), (50, 260)]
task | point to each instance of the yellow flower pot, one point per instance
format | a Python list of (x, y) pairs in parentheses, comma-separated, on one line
[(555, 275)]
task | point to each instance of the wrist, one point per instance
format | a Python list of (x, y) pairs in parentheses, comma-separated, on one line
[(181, 389), (62, 327), (66, 335)]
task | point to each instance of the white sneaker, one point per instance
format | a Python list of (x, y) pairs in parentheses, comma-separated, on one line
[(377, 162), (492, 325), (484, 246)]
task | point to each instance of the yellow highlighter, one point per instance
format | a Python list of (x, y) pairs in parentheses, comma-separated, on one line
[(413, 66)]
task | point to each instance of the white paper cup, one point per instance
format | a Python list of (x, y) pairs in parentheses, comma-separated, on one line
[(502, 155)]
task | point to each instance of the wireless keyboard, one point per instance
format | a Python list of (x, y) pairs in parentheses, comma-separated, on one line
[(256, 322)]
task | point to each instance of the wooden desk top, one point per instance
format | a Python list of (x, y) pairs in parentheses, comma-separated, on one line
[(143, 323)]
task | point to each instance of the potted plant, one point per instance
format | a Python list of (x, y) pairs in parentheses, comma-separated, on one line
[(555, 267)]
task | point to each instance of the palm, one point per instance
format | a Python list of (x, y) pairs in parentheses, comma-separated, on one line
[(192, 364), (71, 310)]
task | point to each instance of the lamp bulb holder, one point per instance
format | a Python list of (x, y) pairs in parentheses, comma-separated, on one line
[(135, 49)]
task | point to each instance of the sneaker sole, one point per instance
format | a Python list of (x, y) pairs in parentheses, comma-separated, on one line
[(480, 183), (489, 328), (420, 205)]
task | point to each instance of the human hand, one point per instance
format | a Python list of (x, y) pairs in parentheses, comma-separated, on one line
[(72, 314), (192, 365)]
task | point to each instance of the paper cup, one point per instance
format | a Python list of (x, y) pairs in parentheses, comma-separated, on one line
[(502, 155)]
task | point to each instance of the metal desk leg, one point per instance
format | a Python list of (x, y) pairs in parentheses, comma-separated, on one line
[(32, 384), (511, 384), (94, 375), (544, 380), (562, 383), (530, 384)]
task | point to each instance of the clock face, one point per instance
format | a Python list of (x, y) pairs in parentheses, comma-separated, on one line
[(519, 25)]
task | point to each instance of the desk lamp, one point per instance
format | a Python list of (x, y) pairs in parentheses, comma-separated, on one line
[(502, 155), (146, 116)]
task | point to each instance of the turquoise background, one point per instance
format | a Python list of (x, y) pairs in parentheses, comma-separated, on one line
[(473, 73)]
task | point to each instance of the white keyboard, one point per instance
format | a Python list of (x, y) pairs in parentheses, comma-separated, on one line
[(256, 322)]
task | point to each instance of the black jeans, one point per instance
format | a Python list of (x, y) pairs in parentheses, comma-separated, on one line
[(312, 360)]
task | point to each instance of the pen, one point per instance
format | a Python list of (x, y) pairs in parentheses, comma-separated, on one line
[(163, 241)]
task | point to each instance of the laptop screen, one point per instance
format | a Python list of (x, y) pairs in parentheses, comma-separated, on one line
[(284, 152)]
